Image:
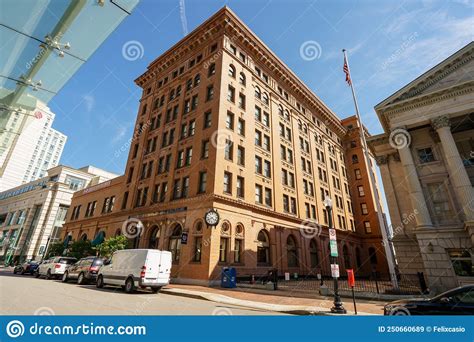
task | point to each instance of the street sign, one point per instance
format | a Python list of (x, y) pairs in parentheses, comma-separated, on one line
[(350, 277), (335, 270), (333, 248), (332, 234)]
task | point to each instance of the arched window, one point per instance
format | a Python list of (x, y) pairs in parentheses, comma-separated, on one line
[(286, 114), (292, 251), (300, 125), (265, 98), (231, 71), (154, 238), (172, 94), (197, 79), (178, 91), (175, 243), (355, 159), (280, 110), (313, 254), (258, 94), (83, 237), (242, 79), (358, 258), (263, 248), (347, 257), (189, 84), (305, 128)]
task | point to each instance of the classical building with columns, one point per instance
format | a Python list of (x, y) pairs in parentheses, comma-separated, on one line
[(224, 125), (426, 159)]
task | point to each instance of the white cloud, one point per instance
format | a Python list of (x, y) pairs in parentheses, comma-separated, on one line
[(120, 132), (89, 102)]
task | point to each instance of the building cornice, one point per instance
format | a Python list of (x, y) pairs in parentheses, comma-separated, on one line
[(225, 22)]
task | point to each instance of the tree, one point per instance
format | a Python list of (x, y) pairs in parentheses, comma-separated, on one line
[(55, 249), (112, 244), (80, 249)]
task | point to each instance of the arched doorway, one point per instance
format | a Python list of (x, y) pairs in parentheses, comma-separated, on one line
[(174, 245), (292, 251), (154, 238), (263, 248)]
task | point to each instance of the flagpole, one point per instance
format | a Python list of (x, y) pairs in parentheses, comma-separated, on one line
[(383, 228)]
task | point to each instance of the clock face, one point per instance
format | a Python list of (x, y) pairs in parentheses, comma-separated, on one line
[(212, 217)]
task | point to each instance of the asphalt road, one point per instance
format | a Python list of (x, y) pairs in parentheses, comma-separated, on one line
[(26, 295)]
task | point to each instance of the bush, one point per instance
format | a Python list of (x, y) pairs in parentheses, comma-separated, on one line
[(80, 249), (55, 249), (112, 244)]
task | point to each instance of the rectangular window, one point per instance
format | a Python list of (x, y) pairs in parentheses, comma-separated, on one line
[(240, 186), (293, 205), (210, 93), (238, 249), (360, 188), (185, 187), (241, 127), (228, 182), (426, 155), (357, 174), (367, 227), (268, 197), (363, 208), (258, 113), (258, 138), (258, 165), (223, 248), (241, 155), (125, 200), (197, 249), (241, 101), (229, 150), (286, 203), (205, 149), (267, 169), (231, 94), (202, 182), (229, 122), (207, 119), (258, 194)]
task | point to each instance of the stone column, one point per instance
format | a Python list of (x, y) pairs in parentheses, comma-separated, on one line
[(400, 139), (456, 170)]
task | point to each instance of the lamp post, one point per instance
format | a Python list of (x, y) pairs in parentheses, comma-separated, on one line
[(338, 307)]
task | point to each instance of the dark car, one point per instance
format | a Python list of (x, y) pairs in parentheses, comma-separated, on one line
[(85, 270), (28, 267), (458, 301)]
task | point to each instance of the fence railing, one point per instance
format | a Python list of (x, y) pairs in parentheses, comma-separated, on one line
[(373, 283)]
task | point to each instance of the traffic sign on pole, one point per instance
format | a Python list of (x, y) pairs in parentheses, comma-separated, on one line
[(333, 248)]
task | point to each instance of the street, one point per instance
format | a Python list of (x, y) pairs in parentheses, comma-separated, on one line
[(26, 295)]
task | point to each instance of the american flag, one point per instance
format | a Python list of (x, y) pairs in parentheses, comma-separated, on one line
[(346, 71), (38, 115)]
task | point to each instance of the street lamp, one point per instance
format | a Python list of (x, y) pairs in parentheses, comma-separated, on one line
[(338, 307)]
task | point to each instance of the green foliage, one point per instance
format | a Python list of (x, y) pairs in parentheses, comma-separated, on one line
[(112, 244), (55, 249), (80, 249)]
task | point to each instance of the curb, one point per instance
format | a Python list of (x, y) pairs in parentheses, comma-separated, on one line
[(286, 309)]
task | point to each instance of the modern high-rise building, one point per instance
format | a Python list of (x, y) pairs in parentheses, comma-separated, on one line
[(231, 160), (31, 215), (426, 159), (37, 148)]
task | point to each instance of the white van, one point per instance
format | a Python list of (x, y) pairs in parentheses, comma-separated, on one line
[(132, 268)]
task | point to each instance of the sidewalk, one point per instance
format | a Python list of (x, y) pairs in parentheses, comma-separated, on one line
[(276, 301)]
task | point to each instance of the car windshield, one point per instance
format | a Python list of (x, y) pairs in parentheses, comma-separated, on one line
[(449, 293), (98, 262), (66, 261)]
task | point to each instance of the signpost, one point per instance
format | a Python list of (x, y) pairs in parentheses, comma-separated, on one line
[(335, 270), (351, 282)]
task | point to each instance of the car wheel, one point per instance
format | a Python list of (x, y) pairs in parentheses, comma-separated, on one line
[(48, 274), (65, 279), (37, 275), (22, 271), (100, 282), (129, 285), (14, 271), (81, 279), (156, 289)]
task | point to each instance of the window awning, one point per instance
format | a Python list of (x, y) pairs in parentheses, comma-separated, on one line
[(66, 240), (100, 237)]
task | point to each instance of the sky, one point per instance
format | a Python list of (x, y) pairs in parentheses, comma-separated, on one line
[(389, 44)]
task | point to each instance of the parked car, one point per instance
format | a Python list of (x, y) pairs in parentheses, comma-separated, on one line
[(84, 271), (458, 301), (29, 267), (54, 267), (133, 268)]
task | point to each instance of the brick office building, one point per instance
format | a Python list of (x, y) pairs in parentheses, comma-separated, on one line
[(223, 124)]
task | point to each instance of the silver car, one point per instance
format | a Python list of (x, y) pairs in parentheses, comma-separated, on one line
[(54, 267)]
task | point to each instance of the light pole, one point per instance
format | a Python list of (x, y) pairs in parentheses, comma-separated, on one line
[(338, 307)]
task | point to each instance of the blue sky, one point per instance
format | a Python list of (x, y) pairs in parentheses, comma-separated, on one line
[(389, 42)]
